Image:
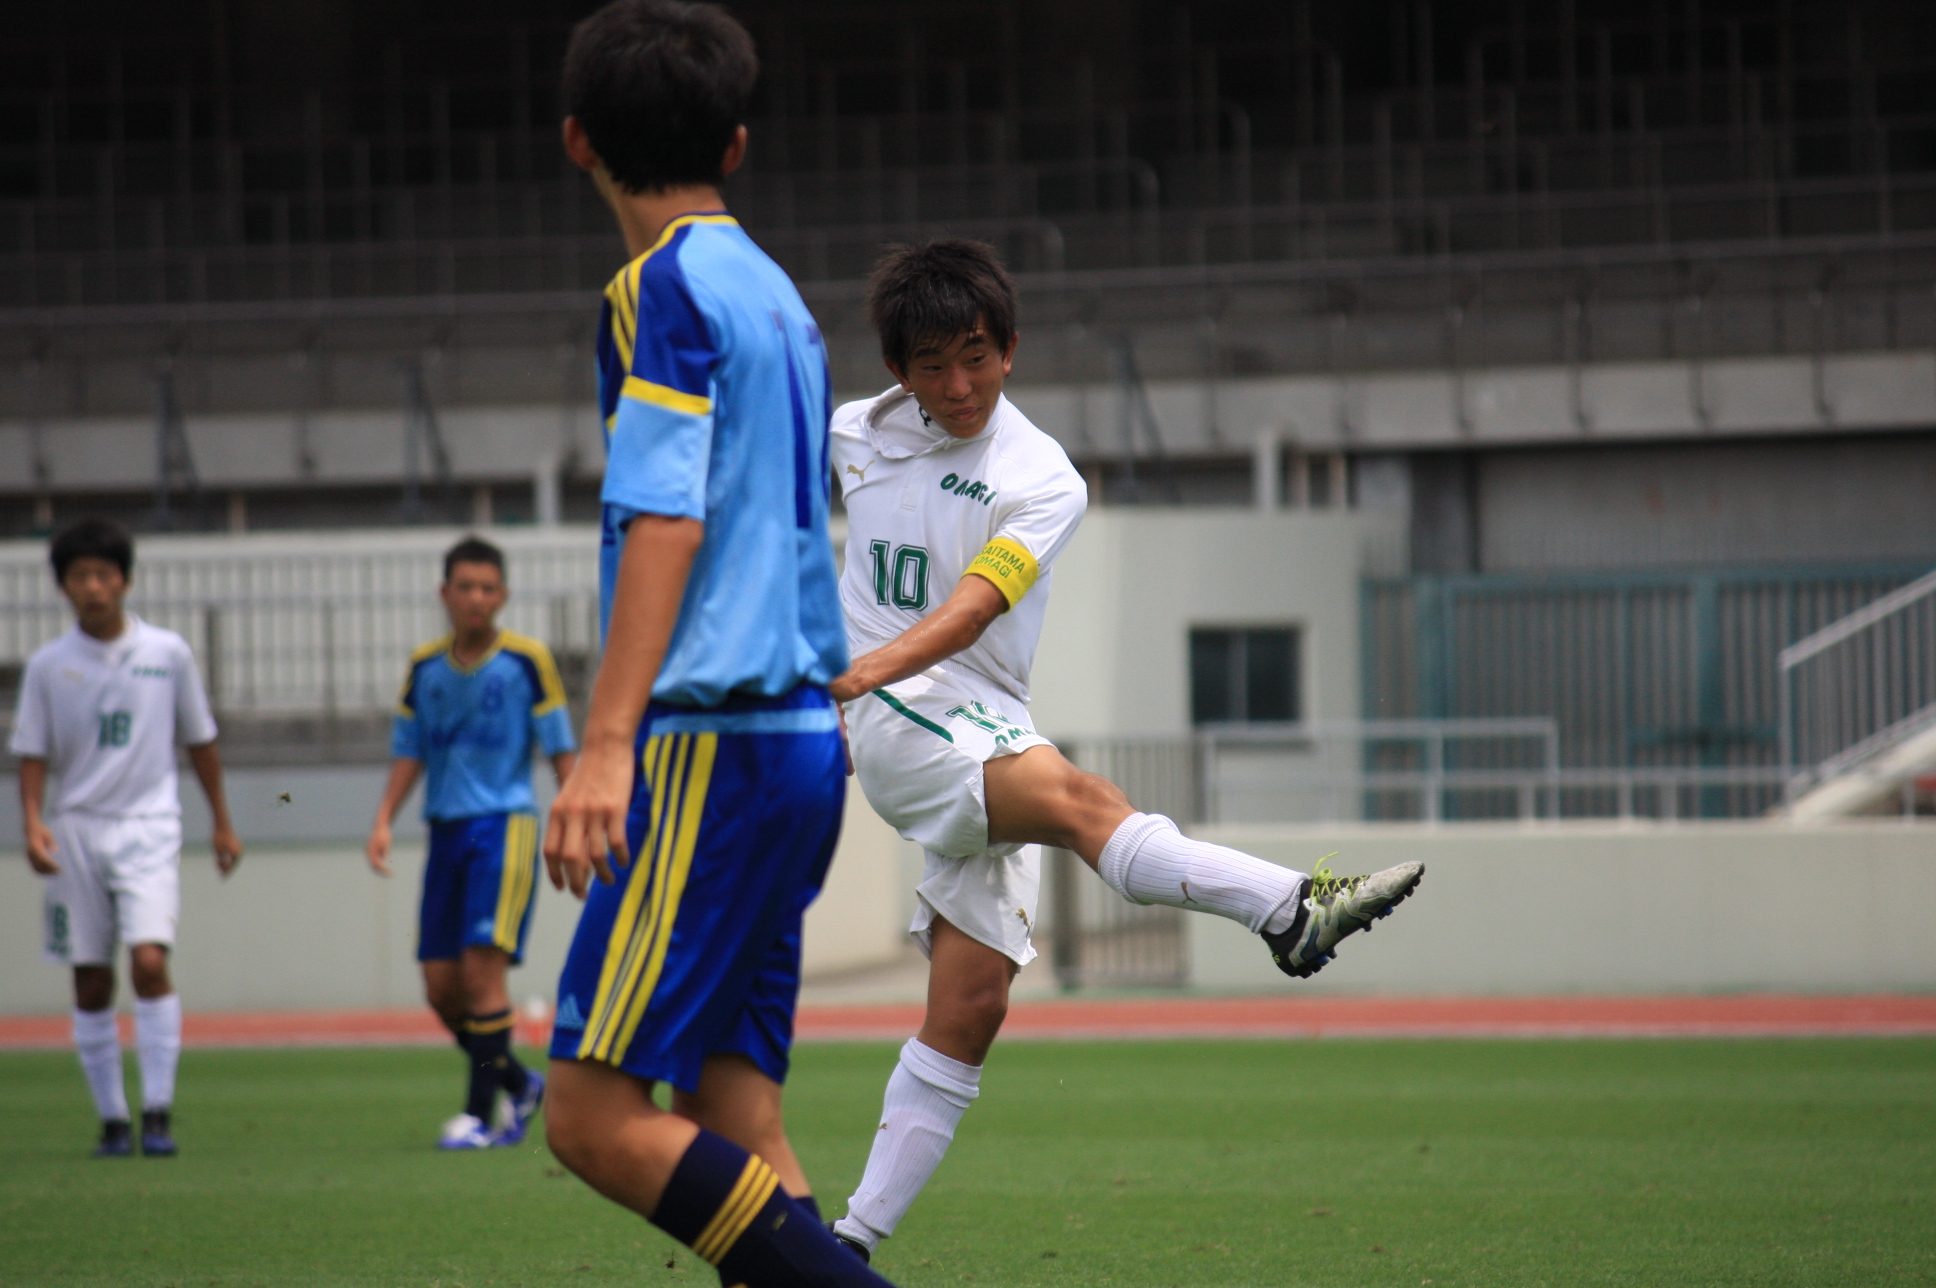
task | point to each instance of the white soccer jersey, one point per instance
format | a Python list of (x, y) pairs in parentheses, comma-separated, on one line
[(924, 508), (106, 718)]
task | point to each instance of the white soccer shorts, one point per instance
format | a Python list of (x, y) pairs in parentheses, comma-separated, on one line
[(119, 879), (918, 752)]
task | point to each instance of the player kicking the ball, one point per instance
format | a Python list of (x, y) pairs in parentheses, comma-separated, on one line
[(474, 705), (102, 709), (957, 507)]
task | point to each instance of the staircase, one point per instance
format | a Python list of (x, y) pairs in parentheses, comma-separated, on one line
[(1858, 710)]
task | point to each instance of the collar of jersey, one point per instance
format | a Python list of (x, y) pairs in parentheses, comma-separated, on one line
[(125, 640), (450, 654), (947, 442), (695, 217)]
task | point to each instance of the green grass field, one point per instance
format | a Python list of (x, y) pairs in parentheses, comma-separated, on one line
[(1206, 1163)]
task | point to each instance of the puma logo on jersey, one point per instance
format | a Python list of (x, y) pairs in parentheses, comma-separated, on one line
[(959, 486), (860, 471)]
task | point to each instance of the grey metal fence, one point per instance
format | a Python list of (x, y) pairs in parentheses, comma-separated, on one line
[(281, 625), (1858, 687), (1652, 672)]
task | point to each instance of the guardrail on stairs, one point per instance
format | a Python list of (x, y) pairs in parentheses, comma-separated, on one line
[(1858, 687)]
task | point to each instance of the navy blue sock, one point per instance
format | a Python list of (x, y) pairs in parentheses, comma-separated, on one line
[(488, 1040), (727, 1206), (813, 1210)]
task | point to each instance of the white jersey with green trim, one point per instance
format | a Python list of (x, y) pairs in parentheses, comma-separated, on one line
[(924, 508)]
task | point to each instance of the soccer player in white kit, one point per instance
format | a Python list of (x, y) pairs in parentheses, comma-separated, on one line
[(101, 710), (957, 507)]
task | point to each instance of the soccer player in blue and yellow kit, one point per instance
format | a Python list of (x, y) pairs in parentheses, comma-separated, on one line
[(474, 705), (708, 797)]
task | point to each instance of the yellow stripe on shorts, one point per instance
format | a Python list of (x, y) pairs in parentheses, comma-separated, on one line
[(749, 1194), (516, 878), (680, 768)]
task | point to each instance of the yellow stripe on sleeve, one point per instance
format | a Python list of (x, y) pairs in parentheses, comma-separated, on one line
[(1009, 566), (642, 390), (551, 685)]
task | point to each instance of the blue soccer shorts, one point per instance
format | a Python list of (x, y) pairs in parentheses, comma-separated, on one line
[(695, 951), (479, 885)]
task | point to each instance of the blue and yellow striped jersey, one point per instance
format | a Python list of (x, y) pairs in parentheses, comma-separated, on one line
[(474, 727), (713, 383)]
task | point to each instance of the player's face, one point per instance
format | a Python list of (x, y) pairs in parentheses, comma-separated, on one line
[(96, 588), (959, 384), (473, 596)]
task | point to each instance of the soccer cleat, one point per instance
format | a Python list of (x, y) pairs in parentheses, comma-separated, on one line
[(519, 1111), (1334, 907), (156, 1140), (854, 1246), (465, 1132), (117, 1139)]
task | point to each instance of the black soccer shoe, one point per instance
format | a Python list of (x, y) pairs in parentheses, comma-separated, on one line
[(156, 1139), (117, 1139), (854, 1246), (1330, 908)]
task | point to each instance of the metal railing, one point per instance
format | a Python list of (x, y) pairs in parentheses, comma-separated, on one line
[(1664, 671), (286, 630), (1395, 771), (1858, 687)]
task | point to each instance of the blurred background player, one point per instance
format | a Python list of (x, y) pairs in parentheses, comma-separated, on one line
[(102, 708), (713, 771), (949, 486), (474, 705)]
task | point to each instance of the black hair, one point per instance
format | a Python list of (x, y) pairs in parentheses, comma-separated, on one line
[(91, 539), (930, 293), (473, 550), (660, 87)]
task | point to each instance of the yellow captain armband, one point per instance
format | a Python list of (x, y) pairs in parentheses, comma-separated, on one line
[(1010, 567)]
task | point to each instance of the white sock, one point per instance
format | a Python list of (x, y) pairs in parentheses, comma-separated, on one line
[(1149, 861), (98, 1042), (926, 1097), (157, 1040)]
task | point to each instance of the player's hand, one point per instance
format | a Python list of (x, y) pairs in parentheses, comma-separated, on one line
[(587, 822), (377, 849), (228, 849), (40, 849), (847, 686), (846, 747)]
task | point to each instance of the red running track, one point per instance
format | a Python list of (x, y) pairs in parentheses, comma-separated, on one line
[(1742, 1015)]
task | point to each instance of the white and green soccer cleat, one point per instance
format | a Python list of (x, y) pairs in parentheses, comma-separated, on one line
[(1334, 907)]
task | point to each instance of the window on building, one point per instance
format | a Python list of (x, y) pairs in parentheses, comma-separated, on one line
[(1243, 673)]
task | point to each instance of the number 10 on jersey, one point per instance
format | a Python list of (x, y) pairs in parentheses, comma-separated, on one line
[(901, 579)]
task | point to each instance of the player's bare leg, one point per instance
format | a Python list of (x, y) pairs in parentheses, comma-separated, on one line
[(968, 985), (742, 1104), (604, 1126), (1038, 796), (937, 1078)]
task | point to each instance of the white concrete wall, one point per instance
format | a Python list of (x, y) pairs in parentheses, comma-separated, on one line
[(1114, 658), (1597, 908), (308, 926)]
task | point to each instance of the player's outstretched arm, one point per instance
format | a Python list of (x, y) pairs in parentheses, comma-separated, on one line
[(40, 837), (208, 769), (588, 819), (403, 776), (956, 625)]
